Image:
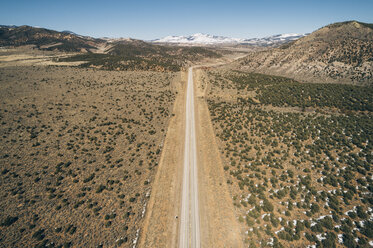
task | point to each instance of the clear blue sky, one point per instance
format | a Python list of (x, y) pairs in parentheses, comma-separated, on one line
[(149, 19)]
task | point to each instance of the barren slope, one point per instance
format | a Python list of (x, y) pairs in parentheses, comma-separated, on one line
[(340, 52)]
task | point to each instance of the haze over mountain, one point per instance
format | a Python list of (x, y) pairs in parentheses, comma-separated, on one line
[(207, 39), (339, 52)]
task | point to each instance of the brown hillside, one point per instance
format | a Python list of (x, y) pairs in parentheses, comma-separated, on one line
[(46, 39), (340, 52)]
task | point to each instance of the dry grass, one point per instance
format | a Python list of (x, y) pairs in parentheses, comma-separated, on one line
[(79, 150)]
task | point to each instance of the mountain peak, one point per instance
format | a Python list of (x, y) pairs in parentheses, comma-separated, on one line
[(208, 39), (197, 38), (353, 23)]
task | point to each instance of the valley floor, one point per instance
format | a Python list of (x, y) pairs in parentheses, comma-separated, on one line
[(96, 158), (79, 152)]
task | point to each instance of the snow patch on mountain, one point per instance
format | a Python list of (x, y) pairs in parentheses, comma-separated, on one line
[(206, 39), (198, 38)]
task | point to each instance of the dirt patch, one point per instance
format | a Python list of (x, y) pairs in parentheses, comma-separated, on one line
[(219, 225), (27, 56), (161, 226)]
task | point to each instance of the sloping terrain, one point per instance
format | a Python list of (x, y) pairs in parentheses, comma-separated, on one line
[(340, 52), (46, 39)]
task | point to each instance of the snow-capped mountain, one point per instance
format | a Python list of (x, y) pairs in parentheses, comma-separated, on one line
[(273, 40), (198, 39), (112, 40), (206, 39)]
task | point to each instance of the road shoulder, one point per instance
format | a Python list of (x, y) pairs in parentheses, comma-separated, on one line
[(161, 227), (219, 225)]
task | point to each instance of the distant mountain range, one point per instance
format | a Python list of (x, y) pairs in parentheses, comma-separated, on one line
[(339, 52), (11, 35), (206, 39)]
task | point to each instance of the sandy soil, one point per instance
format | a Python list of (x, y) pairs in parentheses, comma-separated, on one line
[(27, 56), (161, 226), (219, 225)]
